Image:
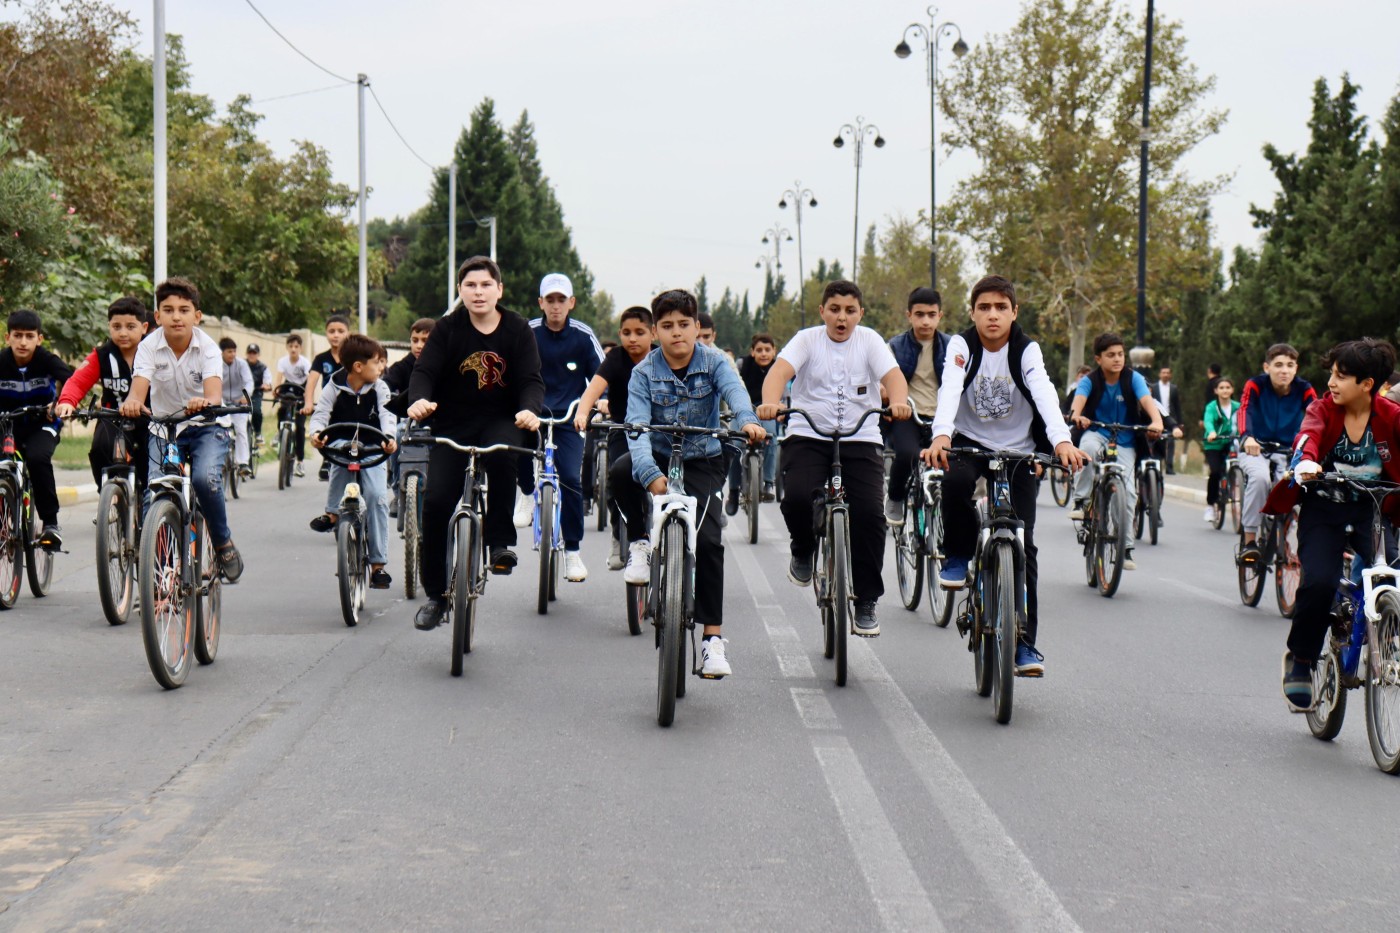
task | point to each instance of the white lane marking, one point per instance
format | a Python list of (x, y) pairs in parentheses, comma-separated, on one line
[(792, 656), (814, 708), (1203, 593), (894, 886), (755, 579), (1021, 892)]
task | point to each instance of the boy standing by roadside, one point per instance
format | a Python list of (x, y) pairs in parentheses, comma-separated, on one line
[(31, 375), (179, 367), (1271, 411), (838, 371), (919, 351), (296, 369)]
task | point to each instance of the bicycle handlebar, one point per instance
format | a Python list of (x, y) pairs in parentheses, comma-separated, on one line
[(209, 411), (834, 435), (365, 455), (985, 454), (1123, 427), (637, 429), (566, 418), (106, 414), (14, 414), (471, 449)]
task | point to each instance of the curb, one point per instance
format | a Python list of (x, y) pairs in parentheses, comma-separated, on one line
[(1186, 494), (75, 495)]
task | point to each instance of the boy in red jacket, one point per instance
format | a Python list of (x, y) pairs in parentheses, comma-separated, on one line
[(1354, 431)]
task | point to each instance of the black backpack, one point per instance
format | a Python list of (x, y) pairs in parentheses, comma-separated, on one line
[(1017, 349)]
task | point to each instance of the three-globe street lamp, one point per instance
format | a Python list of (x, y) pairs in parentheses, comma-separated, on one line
[(930, 35), (857, 133), (797, 194)]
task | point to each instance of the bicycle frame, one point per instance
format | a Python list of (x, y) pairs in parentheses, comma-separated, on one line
[(546, 474), (1002, 525)]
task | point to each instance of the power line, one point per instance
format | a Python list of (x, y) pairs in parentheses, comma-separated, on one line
[(316, 90), (380, 105), (294, 48)]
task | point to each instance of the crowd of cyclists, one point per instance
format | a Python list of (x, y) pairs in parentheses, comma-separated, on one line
[(485, 375)]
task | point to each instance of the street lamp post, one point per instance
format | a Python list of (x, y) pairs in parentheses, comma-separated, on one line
[(797, 194), (776, 234), (1141, 355), (857, 132), (768, 262), (930, 35)]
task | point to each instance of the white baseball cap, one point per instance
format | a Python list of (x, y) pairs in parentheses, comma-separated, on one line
[(556, 283)]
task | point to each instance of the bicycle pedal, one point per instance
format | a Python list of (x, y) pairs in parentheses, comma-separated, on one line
[(704, 676)]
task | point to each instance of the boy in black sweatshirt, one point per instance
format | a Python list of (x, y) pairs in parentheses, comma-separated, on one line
[(31, 375)]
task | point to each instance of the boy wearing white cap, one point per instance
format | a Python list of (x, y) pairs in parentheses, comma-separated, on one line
[(569, 355)]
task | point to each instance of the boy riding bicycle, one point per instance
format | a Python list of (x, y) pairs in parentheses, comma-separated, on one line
[(838, 370), (920, 352), (1355, 431), (682, 382), (238, 383), (1271, 411), (355, 394), (179, 367), (31, 375), (996, 395), (295, 368)]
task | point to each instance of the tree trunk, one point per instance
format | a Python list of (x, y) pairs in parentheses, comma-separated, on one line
[(1078, 317)]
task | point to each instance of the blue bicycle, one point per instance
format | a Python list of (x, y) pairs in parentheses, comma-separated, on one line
[(549, 540)]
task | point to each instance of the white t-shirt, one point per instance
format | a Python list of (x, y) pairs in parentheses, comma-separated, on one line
[(176, 379), (993, 412), (837, 382), (295, 373)]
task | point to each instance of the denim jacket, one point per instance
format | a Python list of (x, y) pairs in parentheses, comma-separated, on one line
[(656, 396)]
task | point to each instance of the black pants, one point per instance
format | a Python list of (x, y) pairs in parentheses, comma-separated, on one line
[(906, 439), (960, 526), (806, 466), (447, 470), (617, 449), (104, 440), (256, 415), (1322, 536), (300, 436), (1218, 461), (38, 444)]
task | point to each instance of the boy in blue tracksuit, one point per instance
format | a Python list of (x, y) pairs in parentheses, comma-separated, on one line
[(1271, 411), (569, 356)]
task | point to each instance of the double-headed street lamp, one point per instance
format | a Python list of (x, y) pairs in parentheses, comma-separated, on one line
[(797, 194), (775, 235), (930, 35), (857, 133)]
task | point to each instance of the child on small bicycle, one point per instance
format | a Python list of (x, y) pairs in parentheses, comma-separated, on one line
[(178, 366), (682, 383), (110, 364), (995, 394), (238, 383), (838, 371), (1355, 431), (1110, 395), (295, 368), (355, 394), (1219, 426), (31, 375)]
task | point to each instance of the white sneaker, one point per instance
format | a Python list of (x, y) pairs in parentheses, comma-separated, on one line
[(1128, 562), (714, 664), (1076, 511), (638, 570), (1209, 515), (574, 571), (524, 510), (615, 560)]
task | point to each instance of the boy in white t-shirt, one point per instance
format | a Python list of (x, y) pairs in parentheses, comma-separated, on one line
[(995, 394), (837, 372)]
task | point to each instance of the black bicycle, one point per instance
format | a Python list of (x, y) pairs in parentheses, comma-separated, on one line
[(1147, 513), (289, 401), (411, 488), (20, 526), (118, 519), (352, 565), (1277, 546), (1103, 531), (919, 544)]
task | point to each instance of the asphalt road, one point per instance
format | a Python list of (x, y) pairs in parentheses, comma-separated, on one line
[(319, 776)]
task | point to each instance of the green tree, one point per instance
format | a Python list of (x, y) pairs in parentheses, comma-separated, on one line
[(34, 218), (895, 263), (1055, 125)]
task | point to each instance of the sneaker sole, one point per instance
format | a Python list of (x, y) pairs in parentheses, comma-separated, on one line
[(576, 579), (866, 633), (952, 587), (704, 676), (1031, 672), (807, 582)]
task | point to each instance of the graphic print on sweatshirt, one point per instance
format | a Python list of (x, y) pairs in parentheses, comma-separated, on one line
[(991, 397), (489, 367)]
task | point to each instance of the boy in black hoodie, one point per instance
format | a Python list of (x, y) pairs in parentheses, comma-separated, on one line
[(31, 375)]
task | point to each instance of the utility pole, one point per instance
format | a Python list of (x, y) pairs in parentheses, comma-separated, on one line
[(451, 234), (492, 222), (158, 246), (1141, 356), (362, 82)]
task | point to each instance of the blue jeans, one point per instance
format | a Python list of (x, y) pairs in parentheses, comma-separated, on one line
[(568, 463), (374, 487), (204, 447), (770, 458)]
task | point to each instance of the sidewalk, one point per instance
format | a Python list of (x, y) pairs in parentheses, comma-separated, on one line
[(74, 487), (1186, 487)]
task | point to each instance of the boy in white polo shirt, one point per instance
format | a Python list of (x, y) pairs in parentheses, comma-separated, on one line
[(837, 370), (180, 367)]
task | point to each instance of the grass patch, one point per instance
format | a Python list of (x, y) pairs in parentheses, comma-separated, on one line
[(72, 452)]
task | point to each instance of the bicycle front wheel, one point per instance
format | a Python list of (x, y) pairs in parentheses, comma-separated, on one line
[(545, 527), (840, 590), (209, 601), (1235, 477), (753, 487), (1383, 686), (1329, 696), (38, 561), (1152, 505), (670, 656), (1059, 487), (1288, 566), (285, 457), (11, 543), (231, 473), (116, 577), (167, 616), (467, 558), (600, 481), (350, 567), (1251, 573), (412, 537), (1002, 607), (1222, 500), (939, 599), (908, 556), (1111, 541)]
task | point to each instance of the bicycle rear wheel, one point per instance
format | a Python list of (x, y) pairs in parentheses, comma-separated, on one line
[(38, 561), (1251, 573), (545, 526), (669, 656), (285, 457), (1111, 539), (254, 455), (412, 537), (600, 482), (1288, 567), (1383, 686), (840, 590), (908, 555), (1153, 510), (11, 543), (209, 599), (116, 577), (167, 615), (1059, 487), (230, 472), (350, 567), (1329, 696), (1003, 603), (940, 601), (753, 491), (467, 558), (1222, 502)]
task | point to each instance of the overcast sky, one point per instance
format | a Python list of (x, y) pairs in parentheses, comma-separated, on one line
[(670, 129)]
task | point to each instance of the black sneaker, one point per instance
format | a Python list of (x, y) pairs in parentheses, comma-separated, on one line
[(769, 493), (1297, 683), (49, 538), (323, 522), (867, 626), (324, 475), (380, 579), (800, 570), (731, 504), (430, 615), (230, 562), (503, 561)]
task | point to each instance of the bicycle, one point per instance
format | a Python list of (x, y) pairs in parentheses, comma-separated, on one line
[(751, 492), (289, 401), (1363, 643), (1277, 543), (20, 527), (1104, 528), (352, 564), (676, 517), (413, 480), (466, 578), (231, 468), (1147, 514), (118, 520), (548, 538), (1229, 494), (596, 451), (919, 543), (181, 588), (993, 616), (831, 573)]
